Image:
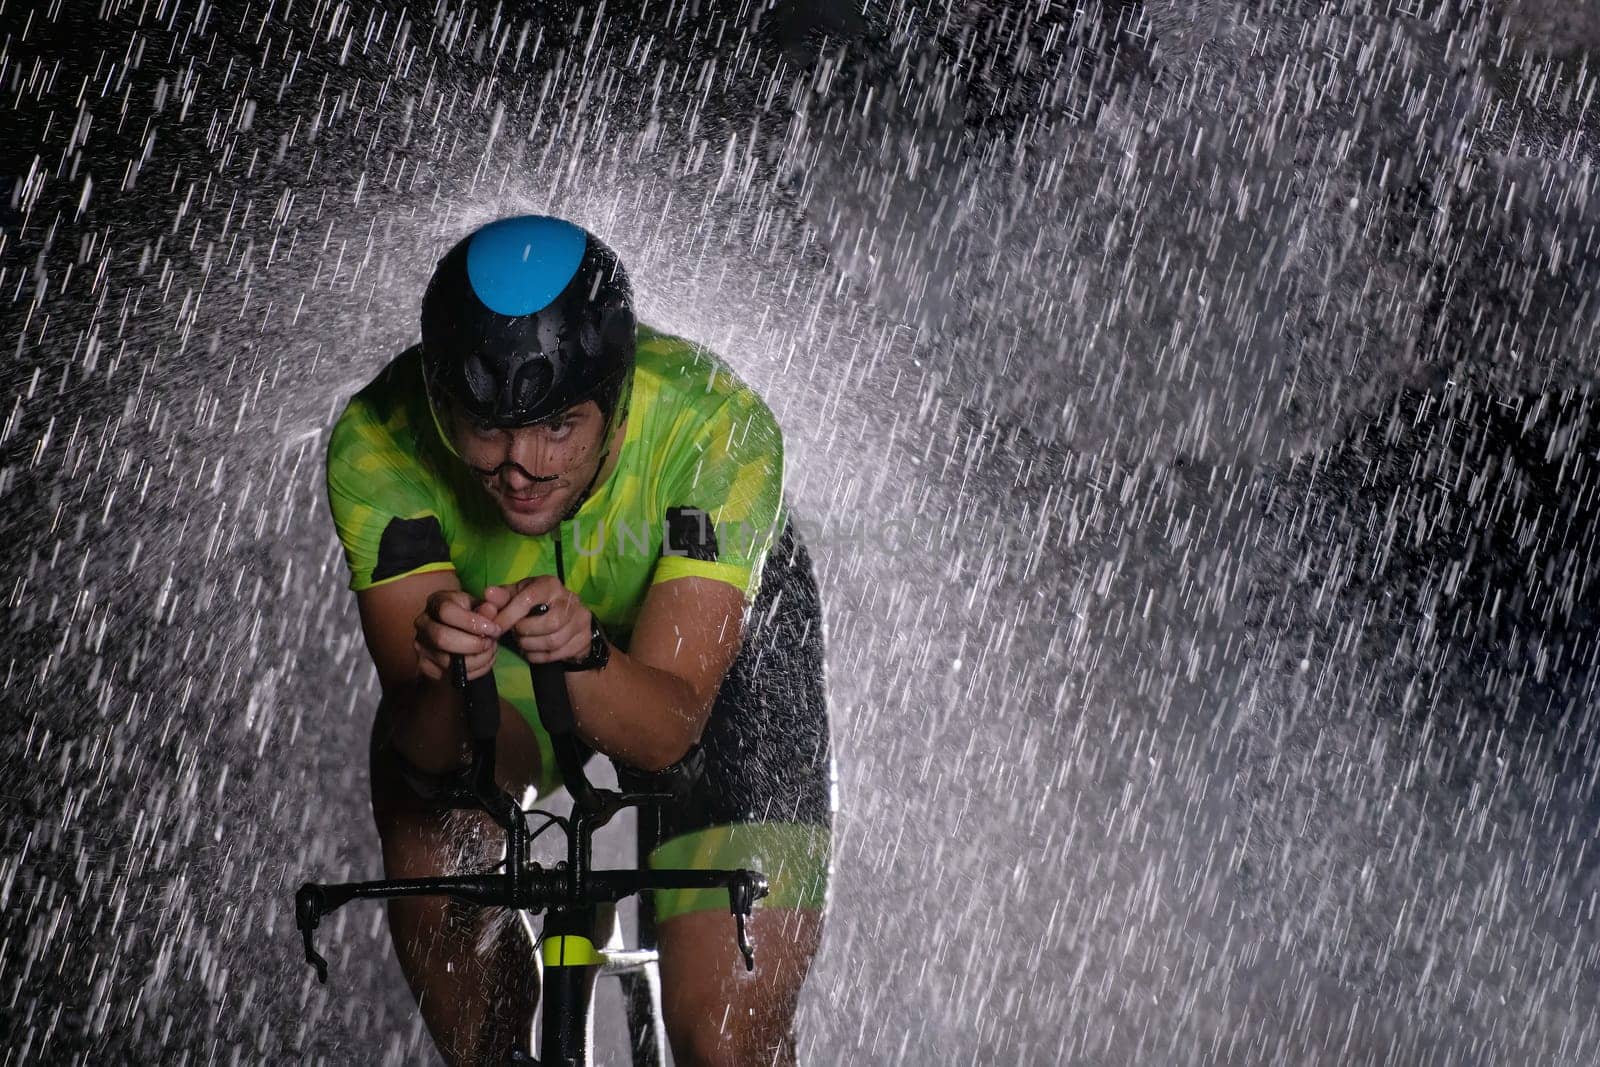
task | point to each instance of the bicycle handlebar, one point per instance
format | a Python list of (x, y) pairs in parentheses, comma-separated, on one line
[(481, 698), (539, 888), (524, 886)]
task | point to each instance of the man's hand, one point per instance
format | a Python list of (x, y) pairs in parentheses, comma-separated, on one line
[(451, 624), (559, 632)]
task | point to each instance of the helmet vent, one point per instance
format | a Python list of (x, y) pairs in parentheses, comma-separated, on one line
[(528, 385)]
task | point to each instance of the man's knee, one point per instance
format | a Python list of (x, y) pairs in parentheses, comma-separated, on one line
[(421, 836), (716, 1012), (402, 797), (399, 786), (734, 1035)]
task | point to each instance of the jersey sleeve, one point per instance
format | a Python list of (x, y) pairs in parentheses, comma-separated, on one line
[(385, 517), (723, 496)]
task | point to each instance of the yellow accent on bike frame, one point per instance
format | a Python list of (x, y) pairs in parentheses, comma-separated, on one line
[(569, 951)]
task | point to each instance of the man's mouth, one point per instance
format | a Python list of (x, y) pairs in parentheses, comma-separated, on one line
[(527, 501)]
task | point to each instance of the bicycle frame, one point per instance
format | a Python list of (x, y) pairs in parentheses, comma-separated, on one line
[(571, 894)]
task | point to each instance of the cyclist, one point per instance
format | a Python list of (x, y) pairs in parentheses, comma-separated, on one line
[(540, 432)]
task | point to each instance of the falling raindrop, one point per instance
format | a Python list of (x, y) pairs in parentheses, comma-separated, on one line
[(1188, 406)]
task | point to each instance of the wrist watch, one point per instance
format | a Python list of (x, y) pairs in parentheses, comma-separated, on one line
[(599, 651)]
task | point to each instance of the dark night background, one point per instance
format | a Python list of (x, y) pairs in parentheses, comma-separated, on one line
[(1225, 693)]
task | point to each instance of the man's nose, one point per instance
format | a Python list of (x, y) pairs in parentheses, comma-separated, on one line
[(531, 456), (515, 478)]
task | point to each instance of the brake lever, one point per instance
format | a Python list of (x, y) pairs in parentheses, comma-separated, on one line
[(745, 948), (308, 912), (744, 889)]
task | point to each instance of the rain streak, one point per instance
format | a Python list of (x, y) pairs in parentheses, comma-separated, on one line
[(1188, 405)]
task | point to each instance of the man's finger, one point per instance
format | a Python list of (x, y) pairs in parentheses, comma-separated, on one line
[(542, 621), (574, 649), (527, 600), (478, 666), (437, 637), (563, 637), (556, 652), (459, 614), (544, 629), (448, 596)]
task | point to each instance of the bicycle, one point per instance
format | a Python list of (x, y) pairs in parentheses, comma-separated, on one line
[(572, 894)]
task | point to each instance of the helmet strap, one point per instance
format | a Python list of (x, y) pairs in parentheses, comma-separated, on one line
[(438, 422), (612, 423), (620, 406)]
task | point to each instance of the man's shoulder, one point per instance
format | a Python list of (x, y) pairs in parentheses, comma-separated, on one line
[(383, 416), (693, 382), (674, 365)]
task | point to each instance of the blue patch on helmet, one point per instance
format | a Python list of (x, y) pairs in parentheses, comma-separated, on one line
[(518, 266)]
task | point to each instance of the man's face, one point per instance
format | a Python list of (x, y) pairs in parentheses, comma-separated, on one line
[(533, 472)]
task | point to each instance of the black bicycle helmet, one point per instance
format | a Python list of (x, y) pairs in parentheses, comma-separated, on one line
[(524, 318)]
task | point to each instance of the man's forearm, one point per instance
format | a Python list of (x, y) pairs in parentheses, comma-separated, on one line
[(646, 717), (641, 715), (428, 727)]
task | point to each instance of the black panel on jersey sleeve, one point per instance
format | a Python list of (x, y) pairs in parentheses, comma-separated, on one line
[(408, 544), (690, 532)]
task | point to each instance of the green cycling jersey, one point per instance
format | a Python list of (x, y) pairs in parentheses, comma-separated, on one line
[(697, 490)]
